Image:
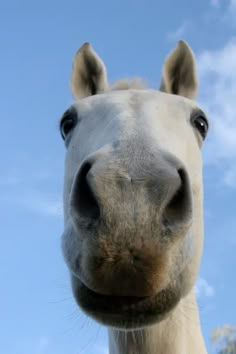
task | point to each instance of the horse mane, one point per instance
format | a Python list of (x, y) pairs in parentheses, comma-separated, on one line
[(128, 84)]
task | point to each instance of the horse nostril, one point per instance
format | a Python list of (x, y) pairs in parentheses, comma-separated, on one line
[(179, 208), (84, 202)]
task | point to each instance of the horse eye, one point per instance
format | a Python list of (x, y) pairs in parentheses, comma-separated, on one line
[(201, 124), (68, 122)]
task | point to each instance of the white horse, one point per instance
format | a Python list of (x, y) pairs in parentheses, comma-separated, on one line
[(133, 204)]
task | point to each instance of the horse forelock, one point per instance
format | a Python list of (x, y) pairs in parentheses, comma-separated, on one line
[(128, 84)]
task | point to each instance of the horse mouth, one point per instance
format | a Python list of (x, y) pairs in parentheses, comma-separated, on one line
[(128, 312)]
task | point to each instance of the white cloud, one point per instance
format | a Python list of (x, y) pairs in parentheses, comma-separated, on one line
[(215, 3), (217, 73), (42, 345), (102, 350), (31, 186), (231, 13), (41, 203), (230, 177), (232, 5), (33, 201), (179, 32), (96, 348), (203, 288), (227, 10)]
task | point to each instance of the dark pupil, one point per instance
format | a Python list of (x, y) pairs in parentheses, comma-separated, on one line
[(66, 126), (201, 125)]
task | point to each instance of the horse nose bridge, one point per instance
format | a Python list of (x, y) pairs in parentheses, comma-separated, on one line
[(95, 178)]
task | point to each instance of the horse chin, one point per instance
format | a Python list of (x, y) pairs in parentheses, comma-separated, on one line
[(127, 312)]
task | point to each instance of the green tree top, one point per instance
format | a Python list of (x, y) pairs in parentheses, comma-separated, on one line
[(224, 338)]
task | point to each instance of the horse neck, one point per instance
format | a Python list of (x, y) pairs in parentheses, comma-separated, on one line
[(179, 334)]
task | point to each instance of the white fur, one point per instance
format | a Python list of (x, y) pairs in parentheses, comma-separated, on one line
[(165, 119)]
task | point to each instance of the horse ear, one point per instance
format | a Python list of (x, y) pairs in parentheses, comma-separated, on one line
[(179, 72), (88, 73)]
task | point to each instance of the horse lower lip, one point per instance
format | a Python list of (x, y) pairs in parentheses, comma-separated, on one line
[(93, 302), (125, 311), (122, 300), (116, 300)]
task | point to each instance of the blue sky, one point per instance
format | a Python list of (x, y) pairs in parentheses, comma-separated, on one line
[(38, 41)]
